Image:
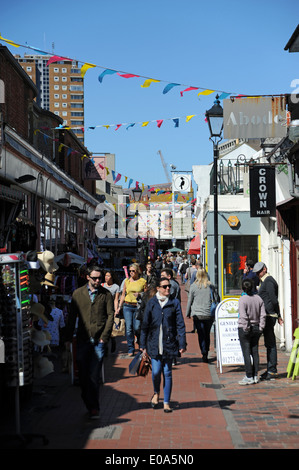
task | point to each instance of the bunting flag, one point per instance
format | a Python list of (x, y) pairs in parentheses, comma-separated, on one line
[(169, 87), (189, 89), (148, 82), (56, 58), (10, 42), (85, 67), (206, 92), (106, 72), (127, 75)]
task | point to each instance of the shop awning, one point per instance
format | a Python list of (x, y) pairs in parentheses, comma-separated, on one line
[(69, 258), (194, 248)]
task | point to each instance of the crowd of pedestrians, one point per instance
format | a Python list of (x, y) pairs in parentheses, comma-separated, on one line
[(149, 300)]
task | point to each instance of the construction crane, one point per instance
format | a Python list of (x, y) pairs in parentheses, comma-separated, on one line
[(164, 166)]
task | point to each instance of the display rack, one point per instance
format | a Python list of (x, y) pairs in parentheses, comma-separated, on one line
[(15, 329)]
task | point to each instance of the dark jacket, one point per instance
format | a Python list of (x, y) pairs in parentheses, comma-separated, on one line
[(173, 327), (95, 319), (268, 291)]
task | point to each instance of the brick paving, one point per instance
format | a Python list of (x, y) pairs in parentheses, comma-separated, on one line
[(211, 411)]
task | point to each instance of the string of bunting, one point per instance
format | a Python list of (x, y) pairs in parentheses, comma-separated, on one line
[(116, 177), (159, 122), (203, 91)]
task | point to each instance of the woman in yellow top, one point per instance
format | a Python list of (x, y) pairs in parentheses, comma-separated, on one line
[(133, 287)]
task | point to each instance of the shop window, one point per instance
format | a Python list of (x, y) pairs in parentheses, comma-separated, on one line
[(236, 250)]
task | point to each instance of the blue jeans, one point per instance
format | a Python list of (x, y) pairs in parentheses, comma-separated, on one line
[(160, 365), (89, 361), (132, 326)]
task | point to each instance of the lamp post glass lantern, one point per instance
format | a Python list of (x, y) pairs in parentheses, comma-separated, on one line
[(214, 118), (137, 193)]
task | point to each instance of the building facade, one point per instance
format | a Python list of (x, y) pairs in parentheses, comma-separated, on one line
[(60, 88)]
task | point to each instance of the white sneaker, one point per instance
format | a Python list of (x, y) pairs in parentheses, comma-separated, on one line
[(256, 379), (246, 381)]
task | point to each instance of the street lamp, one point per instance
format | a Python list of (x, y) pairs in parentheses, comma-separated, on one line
[(137, 196), (214, 118)]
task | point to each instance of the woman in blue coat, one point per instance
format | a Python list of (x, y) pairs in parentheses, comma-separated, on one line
[(163, 336)]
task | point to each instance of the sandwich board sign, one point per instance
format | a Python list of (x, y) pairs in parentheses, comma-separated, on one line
[(227, 339)]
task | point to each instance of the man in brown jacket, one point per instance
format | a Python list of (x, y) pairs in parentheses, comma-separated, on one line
[(93, 305)]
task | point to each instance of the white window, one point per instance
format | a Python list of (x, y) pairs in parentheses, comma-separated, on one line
[(56, 70), (56, 79), (56, 97), (56, 112), (29, 69), (64, 113), (64, 70), (64, 88), (64, 97), (64, 79), (56, 87), (56, 105), (64, 105)]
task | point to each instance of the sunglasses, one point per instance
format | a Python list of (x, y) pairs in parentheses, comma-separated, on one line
[(132, 271), (165, 287), (95, 278)]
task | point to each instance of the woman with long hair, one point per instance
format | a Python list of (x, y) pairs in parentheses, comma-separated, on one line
[(133, 287), (111, 283), (199, 308)]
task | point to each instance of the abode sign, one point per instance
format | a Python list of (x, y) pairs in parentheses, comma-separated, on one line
[(256, 117), (262, 191)]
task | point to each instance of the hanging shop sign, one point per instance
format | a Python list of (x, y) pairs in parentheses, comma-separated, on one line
[(227, 339), (253, 118), (262, 191), (181, 182)]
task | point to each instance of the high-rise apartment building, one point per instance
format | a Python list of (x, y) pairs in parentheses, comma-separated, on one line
[(61, 88)]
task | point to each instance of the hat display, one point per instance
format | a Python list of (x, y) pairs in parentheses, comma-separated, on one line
[(42, 367), (49, 280), (258, 267), (32, 261), (38, 337), (38, 310), (46, 260)]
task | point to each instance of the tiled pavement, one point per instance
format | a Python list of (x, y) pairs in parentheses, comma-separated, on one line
[(211, 411)]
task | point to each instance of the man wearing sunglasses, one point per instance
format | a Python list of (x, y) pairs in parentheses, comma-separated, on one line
[(93, 305)]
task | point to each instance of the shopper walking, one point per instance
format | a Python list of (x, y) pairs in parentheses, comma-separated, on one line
[(133, 287), (268, 291), (163, 337), (92, 304), (199, 308), (251, 322)]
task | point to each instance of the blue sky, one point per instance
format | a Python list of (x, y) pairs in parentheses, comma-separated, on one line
[(233, 46)]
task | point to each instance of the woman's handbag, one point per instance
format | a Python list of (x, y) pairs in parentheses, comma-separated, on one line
[(135, 363), (145, 365), (119, 327), (213, 305)]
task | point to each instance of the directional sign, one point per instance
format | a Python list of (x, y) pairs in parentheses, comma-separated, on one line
[(181, 182)]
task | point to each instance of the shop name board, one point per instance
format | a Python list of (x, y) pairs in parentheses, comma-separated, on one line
[(262, 191), (256, 117)]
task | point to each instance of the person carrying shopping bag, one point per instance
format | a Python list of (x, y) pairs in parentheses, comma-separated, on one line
[(163, 337)]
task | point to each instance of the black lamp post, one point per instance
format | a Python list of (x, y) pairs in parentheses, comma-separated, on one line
[(137, 196), (214, 118)]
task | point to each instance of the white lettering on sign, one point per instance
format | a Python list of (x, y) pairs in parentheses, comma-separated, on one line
[(255, 120), (262, 188)]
